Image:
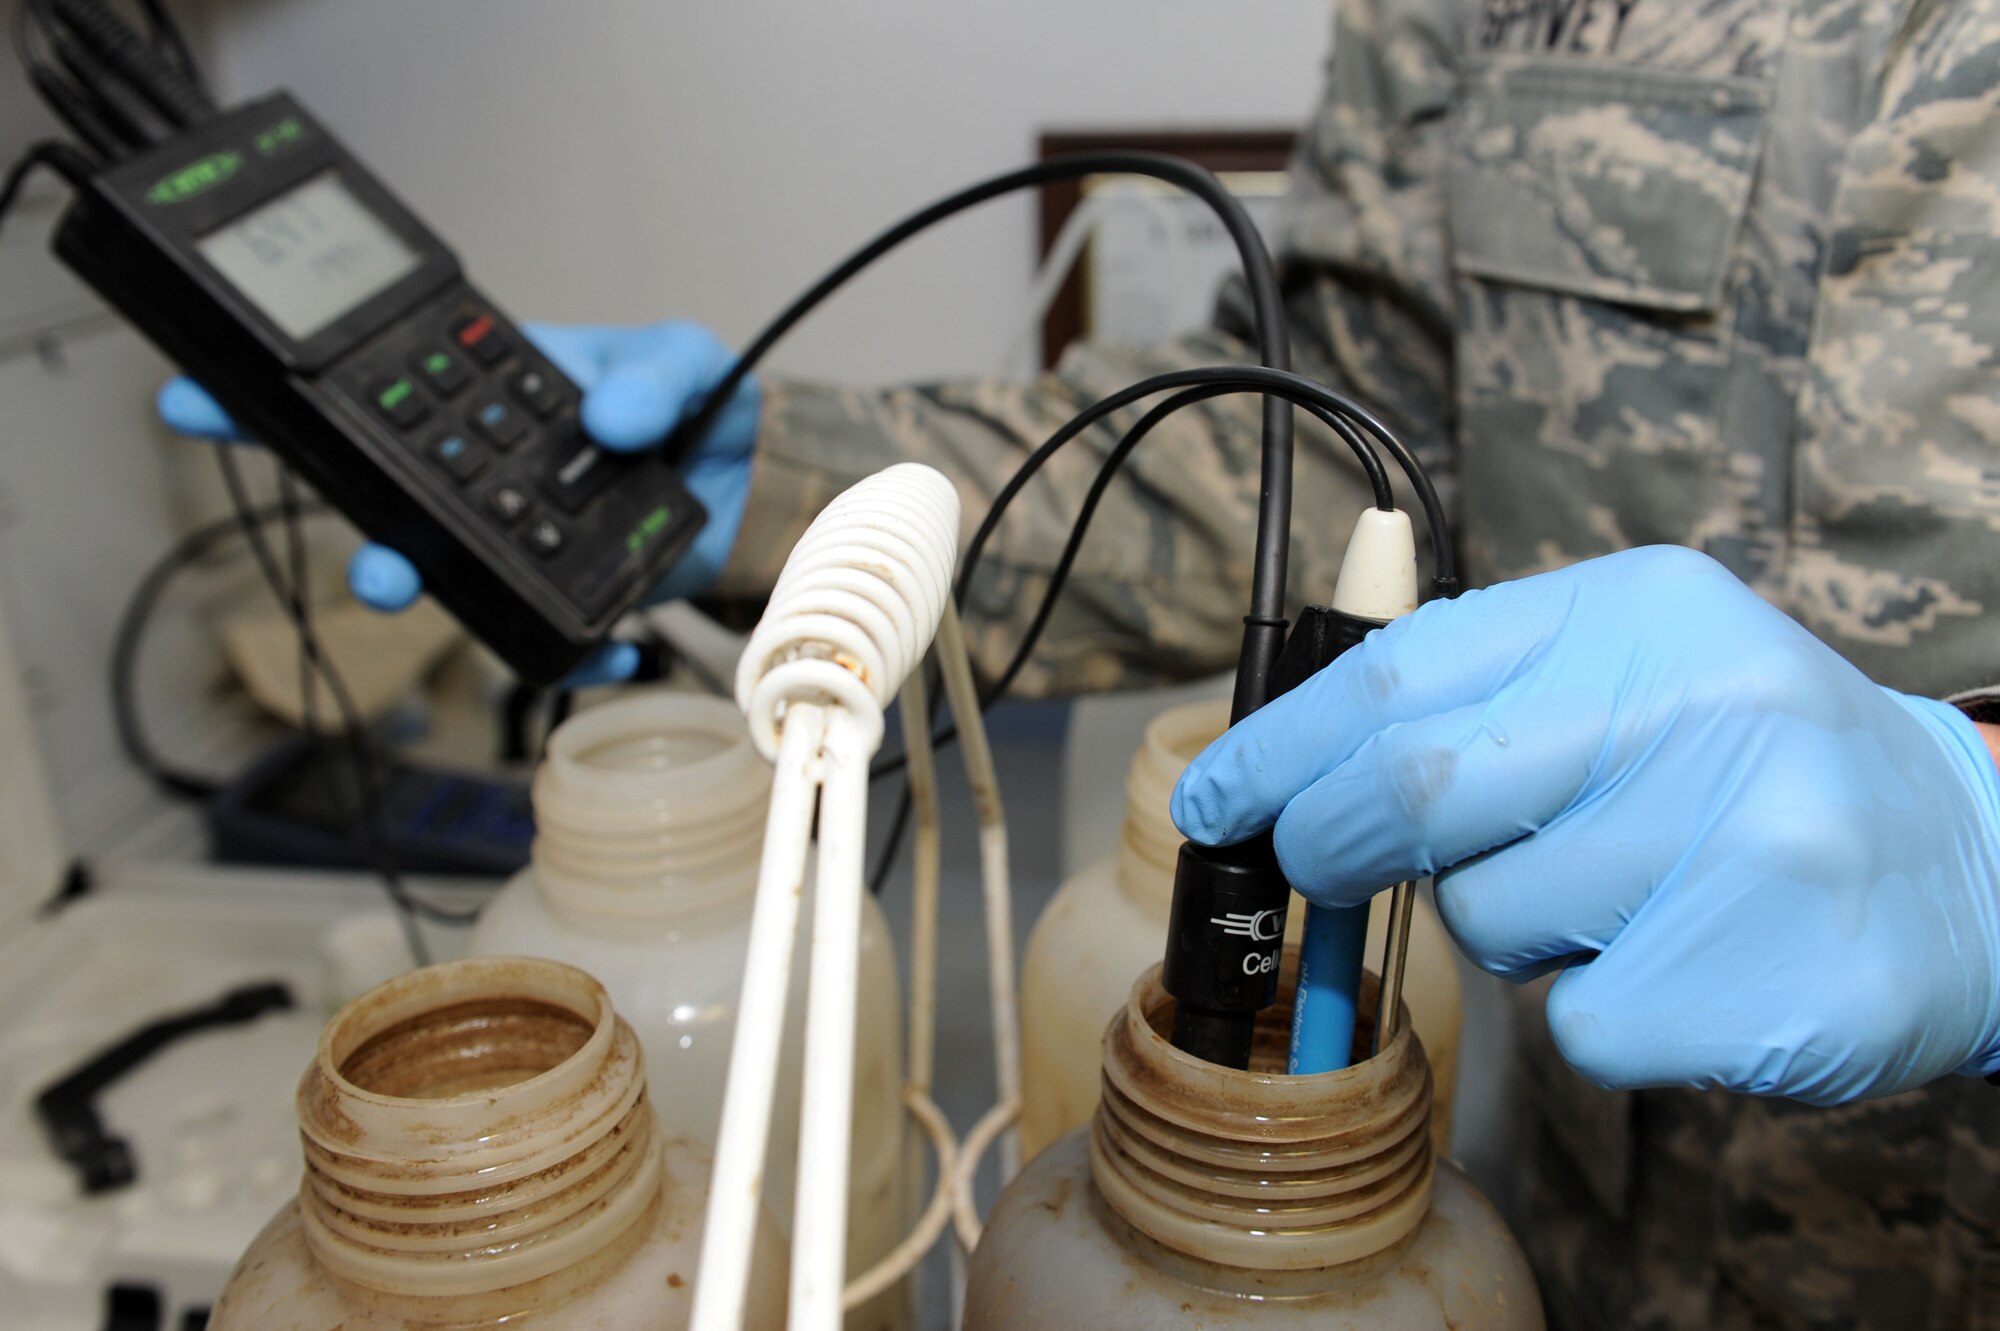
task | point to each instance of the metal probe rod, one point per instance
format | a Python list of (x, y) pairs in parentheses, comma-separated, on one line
[(1395, 953)]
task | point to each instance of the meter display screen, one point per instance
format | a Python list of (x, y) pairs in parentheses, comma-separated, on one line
[(309, 256)]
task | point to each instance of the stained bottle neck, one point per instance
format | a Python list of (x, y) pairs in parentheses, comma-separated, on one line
[(474, 1126), (1281, 1183)]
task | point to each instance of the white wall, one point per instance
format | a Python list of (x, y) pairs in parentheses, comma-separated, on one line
[(633, 159)]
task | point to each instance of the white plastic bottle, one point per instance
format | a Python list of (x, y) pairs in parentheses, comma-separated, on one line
[(1204, 1196), (480, 1153), (1108, 923), (649, 819)]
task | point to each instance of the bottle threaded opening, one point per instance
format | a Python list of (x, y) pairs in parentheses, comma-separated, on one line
[(474, 1126), (465, 1048), (1257, 1170), (649, 805)]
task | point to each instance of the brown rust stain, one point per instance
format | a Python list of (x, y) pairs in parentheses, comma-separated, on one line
[(1235, 1104), (484, 1044), (609, 1154), (455, 1049)]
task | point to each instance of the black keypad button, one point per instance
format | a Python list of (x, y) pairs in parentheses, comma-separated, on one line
[(460, 457), (543, 537), (399, 401), (500, 423), (537, 392), (507, 504), (482, 339), (578, 475), (446, 374)]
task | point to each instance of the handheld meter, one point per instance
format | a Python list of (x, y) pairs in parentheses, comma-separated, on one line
[(332, 324)]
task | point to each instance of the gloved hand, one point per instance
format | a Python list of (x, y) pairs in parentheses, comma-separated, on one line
[(1789, 875), (638, 383)]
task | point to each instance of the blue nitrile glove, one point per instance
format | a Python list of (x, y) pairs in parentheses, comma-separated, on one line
[(1791, 875), (638, 383)]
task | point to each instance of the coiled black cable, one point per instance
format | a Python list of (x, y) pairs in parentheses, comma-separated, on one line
[(168, 90), (1336, 409), (1264, 626)]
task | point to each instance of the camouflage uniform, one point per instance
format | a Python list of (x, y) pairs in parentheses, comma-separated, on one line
[(1724, 273)]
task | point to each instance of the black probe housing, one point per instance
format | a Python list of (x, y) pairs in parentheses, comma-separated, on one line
[(1226, 929)]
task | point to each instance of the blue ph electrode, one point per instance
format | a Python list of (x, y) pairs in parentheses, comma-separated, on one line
[(1378, 582)]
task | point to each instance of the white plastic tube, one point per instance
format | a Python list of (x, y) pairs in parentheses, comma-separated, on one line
[(938, 1211), (926, 860), (736, 1189), (854, 609), (819, 1225), (935, 1213), (956, 666)]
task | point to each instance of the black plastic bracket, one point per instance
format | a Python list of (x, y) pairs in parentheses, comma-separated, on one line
[(68, 1109)]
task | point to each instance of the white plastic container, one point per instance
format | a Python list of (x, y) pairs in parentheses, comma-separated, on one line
[(1204, 1196), (649, 815), (480, 1152), (1108, 923)]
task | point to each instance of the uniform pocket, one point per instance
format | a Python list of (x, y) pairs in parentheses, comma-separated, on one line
[(1595, 210), (1618, 182)]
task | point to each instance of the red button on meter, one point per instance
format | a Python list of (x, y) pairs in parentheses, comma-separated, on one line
[(481, 338)]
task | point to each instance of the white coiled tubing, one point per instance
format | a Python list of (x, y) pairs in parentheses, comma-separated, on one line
[(857, 604), (853, 612)]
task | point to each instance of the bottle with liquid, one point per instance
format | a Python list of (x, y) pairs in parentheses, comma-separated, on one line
[(1234, 1200), (649, 823), (1109, 923), (480, 1152)]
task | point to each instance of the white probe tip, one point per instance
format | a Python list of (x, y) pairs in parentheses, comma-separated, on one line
[(1378, 574)]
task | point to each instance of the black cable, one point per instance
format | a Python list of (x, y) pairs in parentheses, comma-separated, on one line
[(410, 908), (892, 843), (114, 89), (130, 57), (54, 72), (62, 97), (298, 574), (1264, 627), (351, 719), (515, 709), (1059, 573), (20, 33), (129, 114), (1371, 465), (1286, 387), (75, 111), (48, 155), (291, 598), (130, 635), (171, 41), (1333, 408), (561, 705)]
